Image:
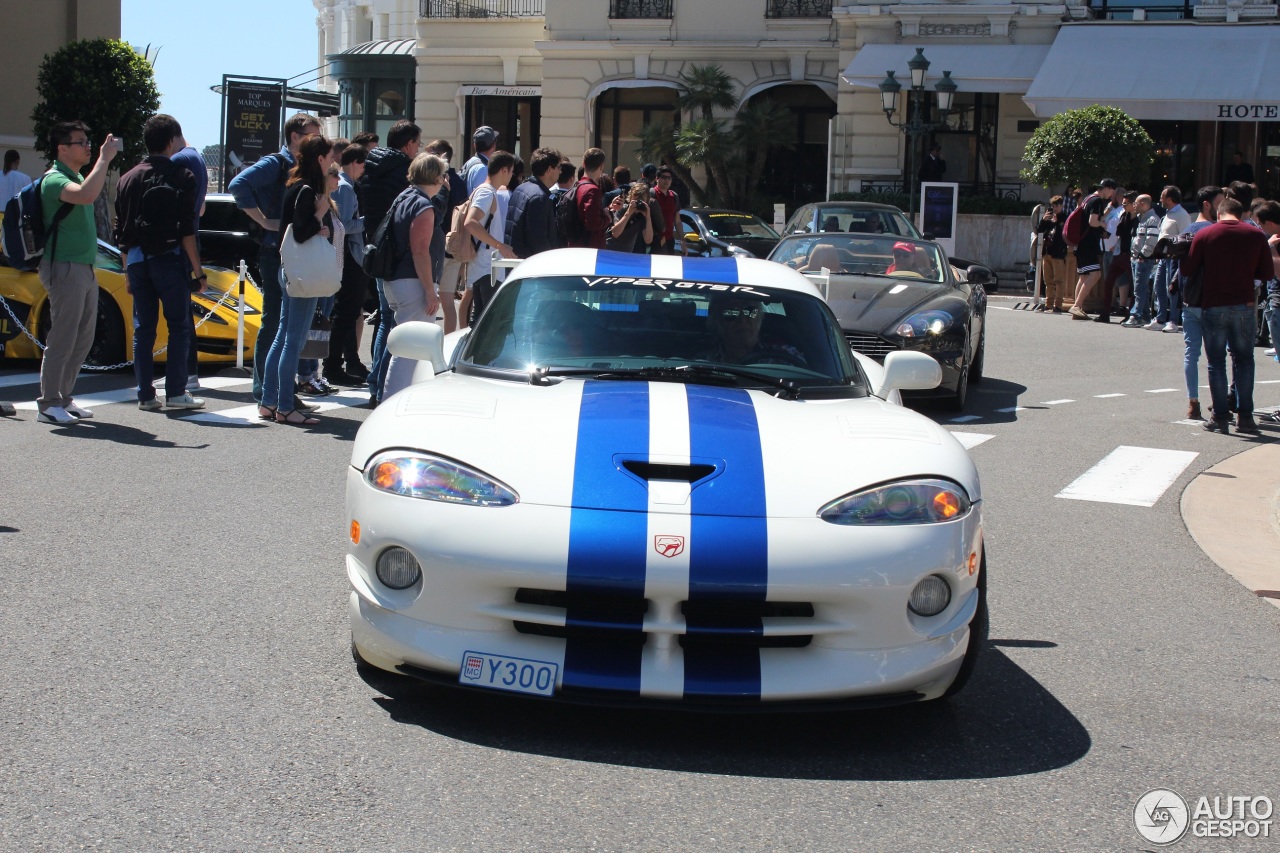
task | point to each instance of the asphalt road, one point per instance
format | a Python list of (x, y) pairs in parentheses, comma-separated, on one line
[(176, 673)]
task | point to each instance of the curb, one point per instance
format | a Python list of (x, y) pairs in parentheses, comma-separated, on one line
[(1232, 511)]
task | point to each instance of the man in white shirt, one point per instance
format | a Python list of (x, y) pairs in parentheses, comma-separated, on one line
[(1176, 219), (486, 223)]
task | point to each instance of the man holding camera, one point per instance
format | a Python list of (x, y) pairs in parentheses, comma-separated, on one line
[(631, 220), (66, 270)]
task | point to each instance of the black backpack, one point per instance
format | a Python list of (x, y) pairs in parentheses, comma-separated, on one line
[(380, 256), (24, 232), (158, 222), (568, 218)]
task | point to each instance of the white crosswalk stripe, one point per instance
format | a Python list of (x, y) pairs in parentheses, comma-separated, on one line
[(249, 414), (971, 440), (122, 395), (1136, 476)]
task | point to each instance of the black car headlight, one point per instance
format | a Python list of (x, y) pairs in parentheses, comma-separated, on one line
[(903, 502), (421, 475), (934, 322)]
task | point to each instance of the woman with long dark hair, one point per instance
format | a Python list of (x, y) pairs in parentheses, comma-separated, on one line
[(309, 210)]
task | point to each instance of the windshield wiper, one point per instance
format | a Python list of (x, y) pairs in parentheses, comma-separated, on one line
[(680, 373)]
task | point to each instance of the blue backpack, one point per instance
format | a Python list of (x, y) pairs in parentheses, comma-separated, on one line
[(24, 232)]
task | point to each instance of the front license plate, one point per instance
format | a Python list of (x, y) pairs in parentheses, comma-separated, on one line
[(520, 675)]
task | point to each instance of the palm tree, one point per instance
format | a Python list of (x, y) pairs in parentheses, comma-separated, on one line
[(657, 142), (760, 126), (706, 88)]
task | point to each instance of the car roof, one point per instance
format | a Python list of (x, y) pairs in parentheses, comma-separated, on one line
[(853, 205), (712, 211), (726, 270)]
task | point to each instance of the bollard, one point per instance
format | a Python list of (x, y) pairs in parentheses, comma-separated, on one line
[(244, 271)]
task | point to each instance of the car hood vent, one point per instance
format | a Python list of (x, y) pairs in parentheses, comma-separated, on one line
[(658, 471)]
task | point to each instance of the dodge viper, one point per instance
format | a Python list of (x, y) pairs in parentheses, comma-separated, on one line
[(668, 481)]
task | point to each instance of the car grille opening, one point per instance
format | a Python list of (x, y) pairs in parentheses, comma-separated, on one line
[(709, 624), (872, 346)]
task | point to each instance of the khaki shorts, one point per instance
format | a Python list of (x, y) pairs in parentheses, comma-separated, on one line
[(450, 276)]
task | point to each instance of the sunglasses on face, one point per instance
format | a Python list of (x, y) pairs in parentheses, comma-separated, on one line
[(739, 313)]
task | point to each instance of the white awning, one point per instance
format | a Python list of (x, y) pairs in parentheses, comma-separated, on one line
[(974, 67), (1173, 71)]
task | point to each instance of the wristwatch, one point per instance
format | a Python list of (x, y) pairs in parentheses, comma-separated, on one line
[(201, 276)]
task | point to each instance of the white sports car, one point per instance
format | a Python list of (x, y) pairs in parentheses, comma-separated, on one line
[(654, 479)]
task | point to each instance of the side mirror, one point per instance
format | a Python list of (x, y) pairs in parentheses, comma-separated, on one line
[(421, 341), (906, 370), (978, 274), (693, 238), (928, 235)]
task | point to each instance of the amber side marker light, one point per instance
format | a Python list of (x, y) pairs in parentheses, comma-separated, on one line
[(946, 505), (973, 563), (355, 532)]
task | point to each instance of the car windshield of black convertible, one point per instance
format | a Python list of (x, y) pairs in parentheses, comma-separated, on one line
[(614, 327)]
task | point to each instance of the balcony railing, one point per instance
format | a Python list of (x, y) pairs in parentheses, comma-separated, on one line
[(640, 8), (1170, 10), (480, 8), (999, 189), (797, 9)]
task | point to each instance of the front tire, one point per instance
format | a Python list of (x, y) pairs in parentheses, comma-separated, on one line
[(980, 359), (957, 400)]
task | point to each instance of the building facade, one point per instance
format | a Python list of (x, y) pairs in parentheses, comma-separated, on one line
[(574, 74), (40, 29)]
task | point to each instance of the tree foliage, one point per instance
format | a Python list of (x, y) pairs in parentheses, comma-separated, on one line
[(1085, 145), (104, 83), (732, 153)]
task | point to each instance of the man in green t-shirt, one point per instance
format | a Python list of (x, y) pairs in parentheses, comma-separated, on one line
[(66, 270)]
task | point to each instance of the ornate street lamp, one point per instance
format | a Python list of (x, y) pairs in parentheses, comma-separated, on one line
[(915, 126)]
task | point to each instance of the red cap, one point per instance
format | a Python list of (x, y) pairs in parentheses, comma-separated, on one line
[(903, 247)]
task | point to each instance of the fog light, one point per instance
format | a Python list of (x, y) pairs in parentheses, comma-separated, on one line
[(930, 597), (398, 569)]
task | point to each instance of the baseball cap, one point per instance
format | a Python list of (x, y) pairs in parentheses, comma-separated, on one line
[(1107, 184), (903, 247), (648, 170), (484, 137)]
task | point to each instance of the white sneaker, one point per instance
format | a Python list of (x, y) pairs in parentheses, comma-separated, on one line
[(186, 401), (1271, 351), (193, 384), (1171, 327), (56, 415), (1154, 326), (152, 405), (82, 414)]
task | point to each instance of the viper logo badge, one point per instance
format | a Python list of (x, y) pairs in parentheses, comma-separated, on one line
[(669, 546)]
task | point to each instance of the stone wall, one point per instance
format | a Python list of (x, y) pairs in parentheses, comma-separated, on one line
[(1000, 242)]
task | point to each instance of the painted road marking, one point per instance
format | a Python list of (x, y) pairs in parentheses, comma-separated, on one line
[(1105, 396), (1136, 476), (1162, 390), (249, 414), (965, 419), (21, 379), (1010, 409), (124, 395), (1056, 402), (971, 440), (999, 307)]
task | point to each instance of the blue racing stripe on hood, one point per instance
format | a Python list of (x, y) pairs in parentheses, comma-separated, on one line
[(729, 536), (607, 547), (717, 270), (622, 264)]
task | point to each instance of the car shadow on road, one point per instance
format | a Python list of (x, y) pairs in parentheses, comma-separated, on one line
[(995, 401), (1003, 724)]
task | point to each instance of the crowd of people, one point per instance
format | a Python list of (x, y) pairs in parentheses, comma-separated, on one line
[(1206, 262)]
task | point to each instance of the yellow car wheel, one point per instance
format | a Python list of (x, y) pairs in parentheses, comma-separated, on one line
[(109, 343)]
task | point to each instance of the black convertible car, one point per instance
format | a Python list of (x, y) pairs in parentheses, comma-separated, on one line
[(892, 292)]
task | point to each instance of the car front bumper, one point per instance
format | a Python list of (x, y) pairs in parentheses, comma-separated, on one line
[(830, 623)]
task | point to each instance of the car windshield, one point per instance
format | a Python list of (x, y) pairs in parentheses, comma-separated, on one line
[(859, 254), (735, 226), (860, 220), (664, 330)]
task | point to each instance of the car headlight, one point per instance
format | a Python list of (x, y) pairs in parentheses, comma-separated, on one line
[(739, 251), (925, 323), (904, 502), (421, 475)]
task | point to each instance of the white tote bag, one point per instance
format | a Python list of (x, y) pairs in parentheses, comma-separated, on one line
[(310, 268)]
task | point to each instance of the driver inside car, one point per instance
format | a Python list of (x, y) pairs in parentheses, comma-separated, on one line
[(907, 261), (735, 323)]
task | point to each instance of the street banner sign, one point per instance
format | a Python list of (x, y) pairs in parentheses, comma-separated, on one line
[(253, 113)]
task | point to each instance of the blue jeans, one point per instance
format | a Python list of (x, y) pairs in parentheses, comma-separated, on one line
[(296, 314), (193, 357), (1166, 271), (381, 358), (1193, 338), (160, 283), (269, 268), (1233, 327), (1142, 272)]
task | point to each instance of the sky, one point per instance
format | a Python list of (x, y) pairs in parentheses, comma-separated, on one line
[(199, 43)]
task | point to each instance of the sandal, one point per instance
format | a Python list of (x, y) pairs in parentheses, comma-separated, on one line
[(266, 413), (295, 418)]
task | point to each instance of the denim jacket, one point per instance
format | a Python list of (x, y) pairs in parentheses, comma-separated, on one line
[(349, 212), (262, 186)]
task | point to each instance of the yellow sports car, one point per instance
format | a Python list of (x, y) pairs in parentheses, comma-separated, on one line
[(113, 344)]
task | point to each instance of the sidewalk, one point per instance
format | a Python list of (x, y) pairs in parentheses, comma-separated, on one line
[(1233, 512)]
